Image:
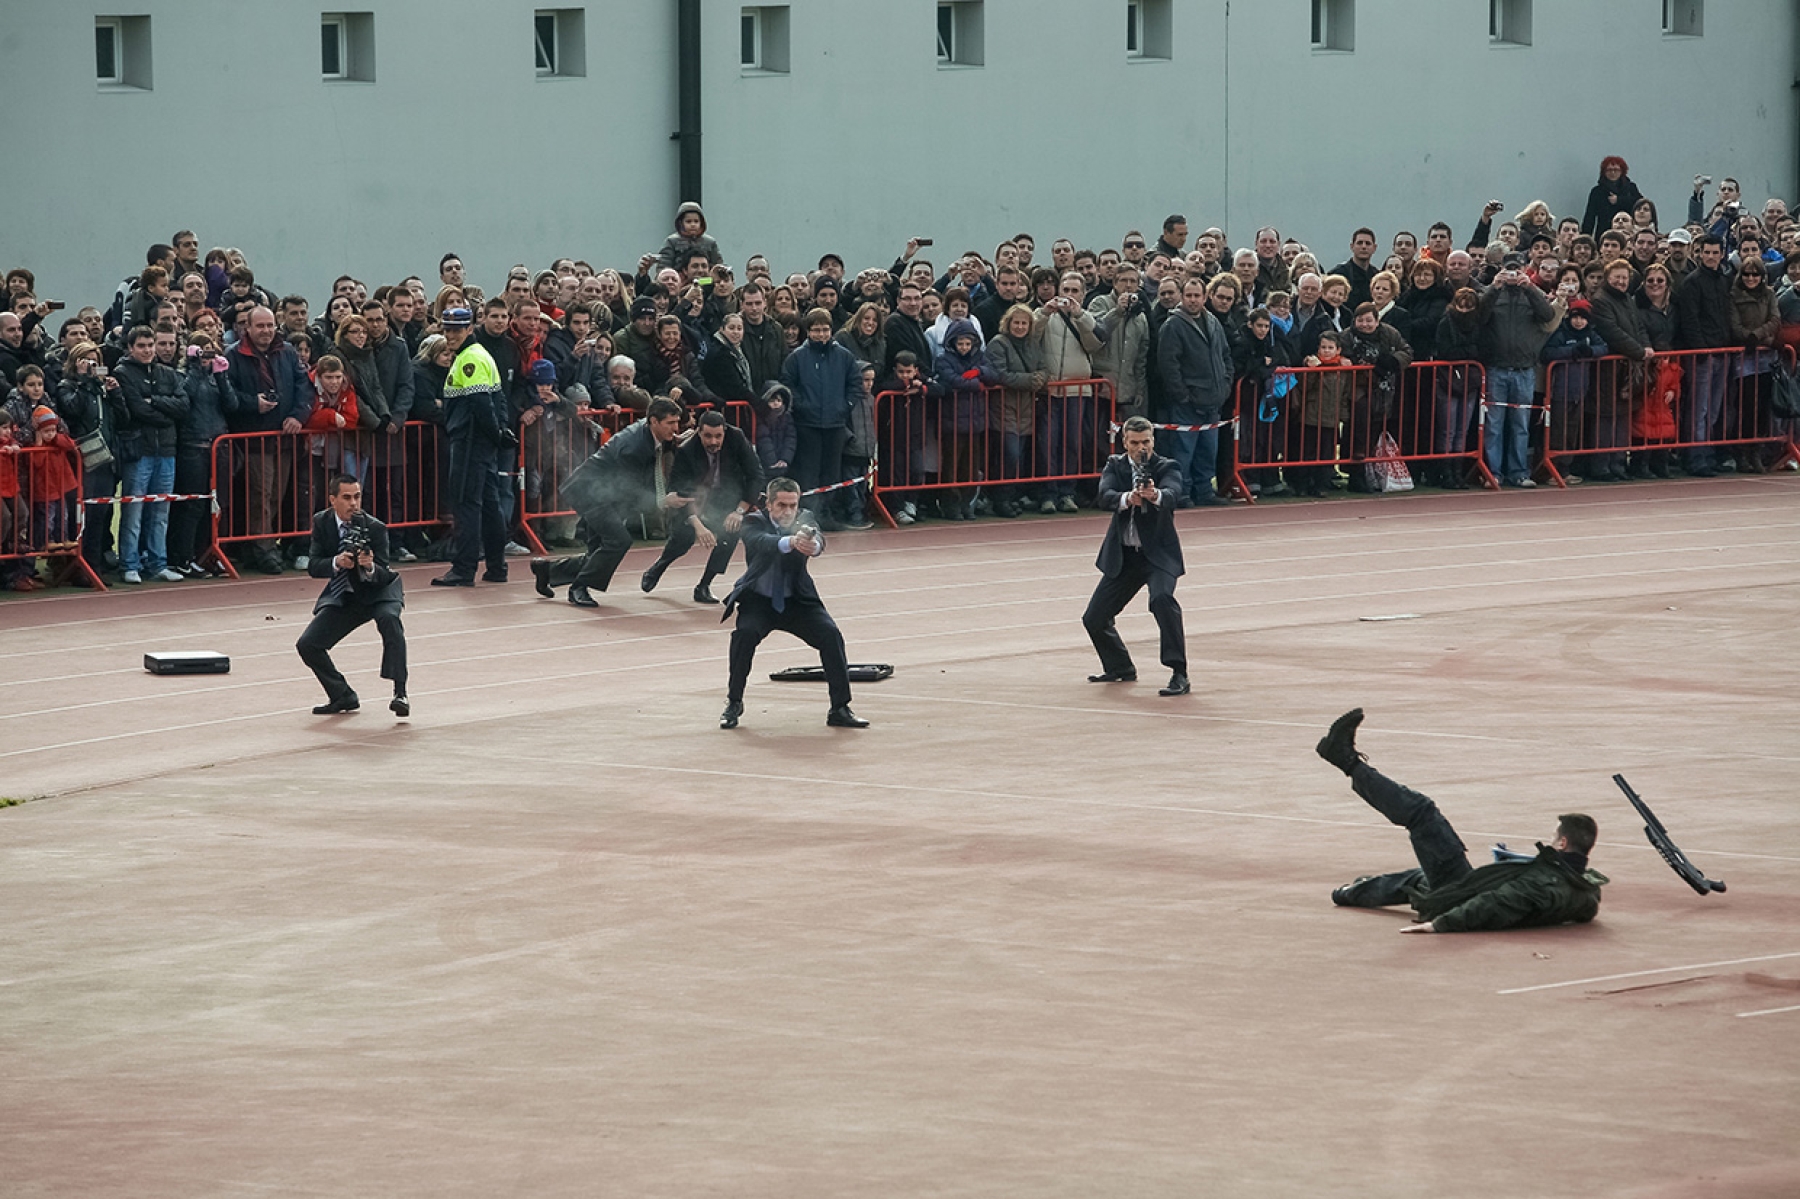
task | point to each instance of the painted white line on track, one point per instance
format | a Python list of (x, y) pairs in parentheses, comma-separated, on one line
[(1770, 1011), (1606, 978)]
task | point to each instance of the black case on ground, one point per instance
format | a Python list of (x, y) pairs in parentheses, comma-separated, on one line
[(187, 661)]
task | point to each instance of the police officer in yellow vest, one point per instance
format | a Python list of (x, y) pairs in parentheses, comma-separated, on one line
[(476, 422)]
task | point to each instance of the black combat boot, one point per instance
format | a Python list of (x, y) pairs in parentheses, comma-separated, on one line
[(1338, 745)]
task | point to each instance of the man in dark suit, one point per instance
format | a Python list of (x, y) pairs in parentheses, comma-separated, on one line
[(719, 478), (361, 589), (1140, 488), (625, 478), (776, 592)]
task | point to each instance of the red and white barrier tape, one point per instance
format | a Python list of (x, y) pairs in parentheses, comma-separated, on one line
[(868, 478), (103, 500), (1218, 424)]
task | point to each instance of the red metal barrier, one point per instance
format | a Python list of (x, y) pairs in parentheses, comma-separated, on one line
[(1610, 415), (547, 456), (41, 516), (1331, 417), (268, 486), (992, 439)]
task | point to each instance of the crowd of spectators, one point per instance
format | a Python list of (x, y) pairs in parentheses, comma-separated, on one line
[(1006, 365)]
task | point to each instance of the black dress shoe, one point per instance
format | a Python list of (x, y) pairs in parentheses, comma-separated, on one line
[(844, 718), (1178, 685), (703, 595), (540, 571), (493, 576), (1114, 676), (578, 595), (348, 704), (453, 580), (653, 576), (729, 717), (401, 706)]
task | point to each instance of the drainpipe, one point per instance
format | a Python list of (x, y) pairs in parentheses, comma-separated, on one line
[(687, 87)]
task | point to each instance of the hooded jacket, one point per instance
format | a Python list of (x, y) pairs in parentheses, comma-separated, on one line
[(965, 377), (677, 247)]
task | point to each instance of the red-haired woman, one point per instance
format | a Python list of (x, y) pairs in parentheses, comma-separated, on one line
[(1614, 193)]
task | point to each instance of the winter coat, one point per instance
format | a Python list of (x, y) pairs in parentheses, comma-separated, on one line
[(824, 382), (365, 380), (1324, 317), (325, 412), (725, 372), (428, 391), (210, 404), (1194, 357), (82, 405), (1325, 395), (1702, 305), (278, 374), (393, 367), (1388, 353), (1125, 358), (677, 247), (1425, 308), (965, 377), (1458, 336), (54, 475), (1069, 341), (1616, 321), (1606, 200), (1018, 363), (872, 350), (776, 442), (1514, 323), (153, 400), (765, 349), (903, 332), (1755, 321), (1574, 381), (1549, 889), (1659, 323)]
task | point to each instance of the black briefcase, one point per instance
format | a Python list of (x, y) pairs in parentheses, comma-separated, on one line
[(187, 661), (859, 673)]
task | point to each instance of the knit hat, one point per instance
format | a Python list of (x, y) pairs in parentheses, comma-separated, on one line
[(42, 415), (642, 306), (1580, 305), (543, 371)]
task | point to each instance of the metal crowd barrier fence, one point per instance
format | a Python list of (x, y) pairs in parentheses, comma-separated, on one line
[(1302, 424), (42, 516), (268, 486), (1610, 415), (992, 439), (549, 452)]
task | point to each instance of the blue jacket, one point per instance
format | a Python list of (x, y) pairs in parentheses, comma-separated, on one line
[(824, 382), (965, 376), (1573, 380)]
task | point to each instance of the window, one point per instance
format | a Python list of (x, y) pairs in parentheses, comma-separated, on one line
[(763, 40), (1334, 24), (122, 52), (1509, 22), (1682, 18), (959, 33), (1147, 29), (561, 42), (106, 50), (347, 46)]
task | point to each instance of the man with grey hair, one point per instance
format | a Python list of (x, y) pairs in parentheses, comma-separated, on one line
[(1141, 549), (776, 592)]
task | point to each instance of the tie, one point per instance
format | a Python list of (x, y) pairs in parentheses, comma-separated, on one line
[(343, 531)]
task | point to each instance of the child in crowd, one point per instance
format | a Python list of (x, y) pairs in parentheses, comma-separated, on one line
[(859, 451), (15, 574), (333, 422), (52, 483), (1324, 402), (303, 346), (776, 436)]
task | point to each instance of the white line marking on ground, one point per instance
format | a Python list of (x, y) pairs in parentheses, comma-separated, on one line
[(1606, 978), (1770, 1011)]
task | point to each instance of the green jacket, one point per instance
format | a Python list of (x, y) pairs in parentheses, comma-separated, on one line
[(1545, 890)]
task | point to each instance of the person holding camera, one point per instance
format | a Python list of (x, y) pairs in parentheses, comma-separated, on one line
[(1140, 488), (350, 549), (776, 592), (1515, 319)]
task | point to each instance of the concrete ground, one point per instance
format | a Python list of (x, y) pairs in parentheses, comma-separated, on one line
[(559, 935)]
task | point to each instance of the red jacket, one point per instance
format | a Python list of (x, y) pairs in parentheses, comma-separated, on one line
[(51, 469), (324, 416)]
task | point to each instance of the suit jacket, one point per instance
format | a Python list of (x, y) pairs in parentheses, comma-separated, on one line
[(1155, 522), (740, 472), (344, 589), (621, 474), (762, 554)]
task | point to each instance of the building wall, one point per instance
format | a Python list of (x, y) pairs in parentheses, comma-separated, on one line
[(865, 140)]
